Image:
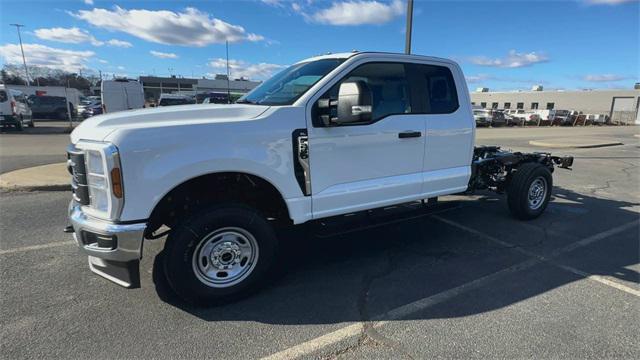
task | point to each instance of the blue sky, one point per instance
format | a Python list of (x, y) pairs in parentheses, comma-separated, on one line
[(502, 45)]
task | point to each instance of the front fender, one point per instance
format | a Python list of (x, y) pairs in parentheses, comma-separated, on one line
[(156, 160)]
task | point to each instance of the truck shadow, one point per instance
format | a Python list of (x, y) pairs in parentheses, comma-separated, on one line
[(363, 275)]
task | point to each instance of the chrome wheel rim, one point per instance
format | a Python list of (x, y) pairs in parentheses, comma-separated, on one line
[(225, 257), (537, 193)]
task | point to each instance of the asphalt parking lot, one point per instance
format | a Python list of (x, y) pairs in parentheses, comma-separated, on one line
[(466, 281)]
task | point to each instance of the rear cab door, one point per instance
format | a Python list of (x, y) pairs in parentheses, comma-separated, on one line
[(443, 99)]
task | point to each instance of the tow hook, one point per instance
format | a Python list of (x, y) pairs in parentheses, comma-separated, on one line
[(69, 229)]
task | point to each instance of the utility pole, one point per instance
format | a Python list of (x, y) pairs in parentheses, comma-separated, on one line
[(228, 80), (26, 72), (407, 43)]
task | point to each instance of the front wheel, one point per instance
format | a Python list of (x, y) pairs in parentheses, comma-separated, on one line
[(219, 255), (529, 192)]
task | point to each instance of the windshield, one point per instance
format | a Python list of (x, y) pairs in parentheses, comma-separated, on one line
[(288, 85)]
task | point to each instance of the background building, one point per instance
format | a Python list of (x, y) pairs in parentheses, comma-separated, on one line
[(154, 86), (620, 105)]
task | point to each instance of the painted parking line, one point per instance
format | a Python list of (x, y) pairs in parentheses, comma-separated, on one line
[(556, 253), (353, 330), (36, 247)]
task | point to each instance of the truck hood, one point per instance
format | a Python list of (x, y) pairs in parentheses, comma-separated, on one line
[(97, 128)]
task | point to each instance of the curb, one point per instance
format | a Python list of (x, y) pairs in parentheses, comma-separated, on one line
[(17, 188), (50, 177), (573, 146)]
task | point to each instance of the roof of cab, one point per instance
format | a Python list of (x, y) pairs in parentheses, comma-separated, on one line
[(346, 55)]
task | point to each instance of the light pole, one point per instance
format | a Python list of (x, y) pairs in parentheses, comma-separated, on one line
[(407, 42), (26, 72), (228, 83)]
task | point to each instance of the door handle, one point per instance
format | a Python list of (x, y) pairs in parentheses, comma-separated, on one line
[(409, 134)]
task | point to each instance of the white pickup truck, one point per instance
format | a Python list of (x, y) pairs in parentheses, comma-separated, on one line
[(329, 136)]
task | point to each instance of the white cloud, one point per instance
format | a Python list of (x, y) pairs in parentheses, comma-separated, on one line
[(75, 35), (163, 55), (102, 61), (40, 55), (255, 37), (604, 78), (189, 28), (296, 7), (277, 3), (513, 60), (120, 67), (239, 68), (88, 2), (119, 43), (359, 12), (67, 35)]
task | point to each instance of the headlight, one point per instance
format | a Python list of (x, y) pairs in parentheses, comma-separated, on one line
[(104, 179)]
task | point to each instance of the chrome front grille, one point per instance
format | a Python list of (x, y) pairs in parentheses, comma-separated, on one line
[(76, 167)]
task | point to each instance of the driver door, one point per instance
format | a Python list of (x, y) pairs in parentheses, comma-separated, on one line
[(365, 165)]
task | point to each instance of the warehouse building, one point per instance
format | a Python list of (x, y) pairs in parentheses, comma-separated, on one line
[(620, 105)]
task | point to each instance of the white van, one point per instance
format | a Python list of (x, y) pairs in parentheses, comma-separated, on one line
[(121, 94), (14, 108)]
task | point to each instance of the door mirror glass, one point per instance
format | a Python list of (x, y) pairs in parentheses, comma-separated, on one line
[(354, 102)]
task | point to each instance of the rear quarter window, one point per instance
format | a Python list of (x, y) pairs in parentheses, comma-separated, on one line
[(3, 96), (440, 92)]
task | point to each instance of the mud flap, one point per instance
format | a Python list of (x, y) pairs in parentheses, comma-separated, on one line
[(125, 274)]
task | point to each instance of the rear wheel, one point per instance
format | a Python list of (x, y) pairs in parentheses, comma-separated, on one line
[(529, 192), (219, 255), (19, 124)]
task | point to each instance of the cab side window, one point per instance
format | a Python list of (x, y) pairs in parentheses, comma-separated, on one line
[(389, 88), (388, 85), (441, 95)]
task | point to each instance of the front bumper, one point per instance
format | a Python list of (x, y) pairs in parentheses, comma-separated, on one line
[(114, 250)]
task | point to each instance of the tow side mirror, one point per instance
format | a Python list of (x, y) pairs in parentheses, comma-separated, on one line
[(354, 103)]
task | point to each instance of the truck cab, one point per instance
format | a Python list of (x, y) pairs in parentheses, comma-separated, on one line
[(328, 136)]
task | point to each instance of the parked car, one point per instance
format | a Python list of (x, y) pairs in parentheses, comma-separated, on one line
[(482, 117), (212, 98), (14, 109), (325, 138), (175, 99), (92, 110), (561, 117), (121, 94), (517, 117), (47, 107), (498, 118), (597, 119), (546, 116), (87, 102)]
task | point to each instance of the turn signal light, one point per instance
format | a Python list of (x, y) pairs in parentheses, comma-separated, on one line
[(116, 183)]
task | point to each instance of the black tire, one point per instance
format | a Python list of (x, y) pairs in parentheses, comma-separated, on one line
[(518, 191), (19, 125), (181, 267)]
